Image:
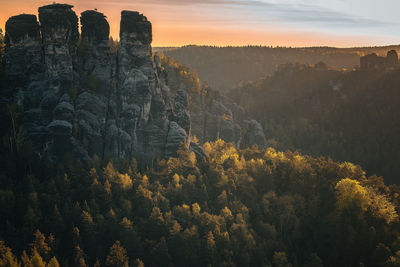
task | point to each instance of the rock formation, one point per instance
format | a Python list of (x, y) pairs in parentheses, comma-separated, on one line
[(23, 60), (80, 98), (375, 62), (212, 115), (253, 134), (59, 28)]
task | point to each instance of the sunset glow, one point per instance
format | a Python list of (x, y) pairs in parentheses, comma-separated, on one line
[(237, 23)]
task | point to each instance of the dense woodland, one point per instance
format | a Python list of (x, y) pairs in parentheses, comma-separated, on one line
[(225, 67), (234, 208), (349, 116)]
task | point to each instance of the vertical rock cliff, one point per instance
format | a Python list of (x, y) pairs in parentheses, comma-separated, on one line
[(59, 28), (80, 98), (23, 59), (212, 116)]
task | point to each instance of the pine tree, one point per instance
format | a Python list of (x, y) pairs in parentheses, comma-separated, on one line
[(39, 244), (117, 256), (53, 263)]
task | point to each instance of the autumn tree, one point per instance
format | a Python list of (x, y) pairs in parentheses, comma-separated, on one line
[(117, 256)]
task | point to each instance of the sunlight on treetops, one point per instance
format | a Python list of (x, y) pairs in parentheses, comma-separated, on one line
[(176, 180), (382, 208), (123, 180), (271, 153), (352, 170), (195, 208), (350, 192)]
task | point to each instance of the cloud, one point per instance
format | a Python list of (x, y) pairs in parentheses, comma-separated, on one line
[(284, 11), (294, 13), (312, 14)]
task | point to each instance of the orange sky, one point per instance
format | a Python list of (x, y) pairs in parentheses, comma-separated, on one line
[(180, 24)]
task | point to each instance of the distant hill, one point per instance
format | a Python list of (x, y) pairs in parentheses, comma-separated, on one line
[(225, 67), (350, 115)]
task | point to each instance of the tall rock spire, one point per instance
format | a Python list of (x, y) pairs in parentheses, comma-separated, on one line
[(59, 25), (23, 57), (88, 100)]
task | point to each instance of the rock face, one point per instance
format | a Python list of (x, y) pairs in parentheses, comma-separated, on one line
[(59, 27), (23, 59), (375, 62), (253, 134), (211, 115), (80, 98), (95, 61)]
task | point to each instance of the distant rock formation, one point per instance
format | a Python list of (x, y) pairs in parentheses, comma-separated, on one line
[(253, 134), (374, 62), (80, 98), (212, 115)]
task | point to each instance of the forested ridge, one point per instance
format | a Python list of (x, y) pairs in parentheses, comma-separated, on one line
[(226, 67), (231, 207), (246, 207), (349, 116)]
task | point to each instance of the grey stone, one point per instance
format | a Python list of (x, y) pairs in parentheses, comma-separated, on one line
[(59, 127), (253, 134), (176, 137), (92, 101)]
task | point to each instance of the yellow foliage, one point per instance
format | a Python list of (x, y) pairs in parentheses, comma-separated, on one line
[(382, 208), (53, 263), (192, 158), (196, 208), (124, 180), (350, 192), (272, 154), (227, 213), (145, 180), (207, 148), (115, 177), (352, 170), (176, 180)]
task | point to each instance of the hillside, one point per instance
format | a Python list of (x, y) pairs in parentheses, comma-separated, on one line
[(348, 116), (226, 67), (112, 155)]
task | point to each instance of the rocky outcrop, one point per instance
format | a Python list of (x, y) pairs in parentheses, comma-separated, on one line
[(59, 28), (212, 116), (95, 60), (85, 100), (180, 112), (23, 60), (392, 59), (215, 121), (253, 134), (375, 62), (95, 105)]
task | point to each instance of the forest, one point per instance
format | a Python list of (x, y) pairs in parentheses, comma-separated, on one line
[(225, 67), (237, 207), (348, 116), (323, 192)]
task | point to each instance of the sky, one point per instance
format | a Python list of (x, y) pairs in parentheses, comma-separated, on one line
[(296, 23)]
